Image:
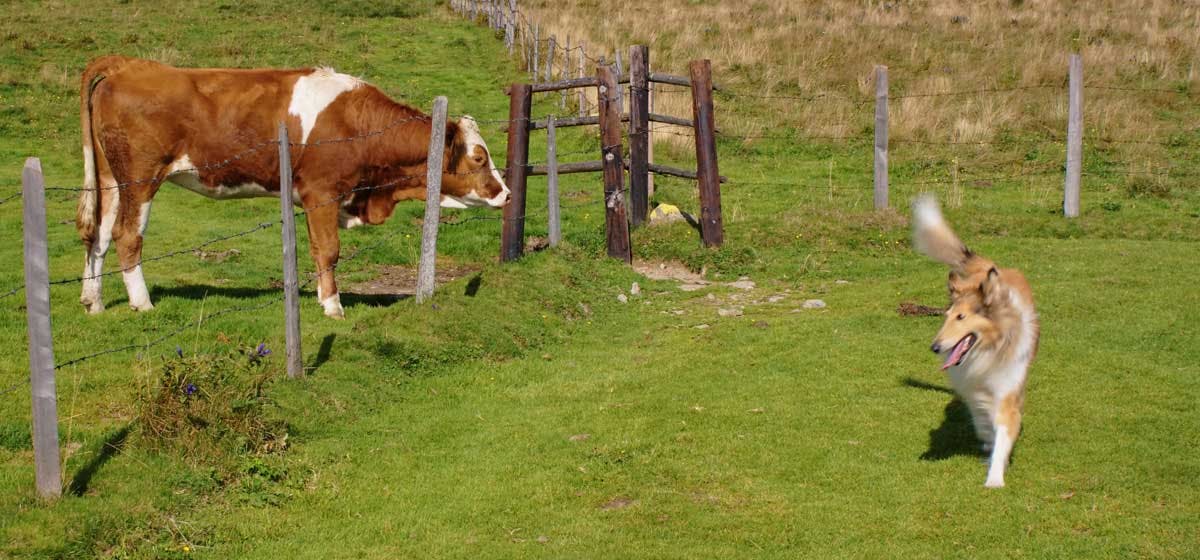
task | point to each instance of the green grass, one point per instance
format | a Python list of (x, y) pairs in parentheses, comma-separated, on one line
[(457, 430)]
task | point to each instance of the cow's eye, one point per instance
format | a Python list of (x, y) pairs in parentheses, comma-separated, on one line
[(961, 316)]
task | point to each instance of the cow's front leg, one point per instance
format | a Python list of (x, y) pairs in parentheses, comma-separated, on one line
[(324, 246)]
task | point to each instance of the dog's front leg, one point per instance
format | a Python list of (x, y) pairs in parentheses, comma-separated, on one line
[(1008, 425)]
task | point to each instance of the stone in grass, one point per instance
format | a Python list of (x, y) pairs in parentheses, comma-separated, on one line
[(666, 214), (622, 298), (635, 289), (701, 326), (743, 283), (775, 299), (813, 304), (729, 312)]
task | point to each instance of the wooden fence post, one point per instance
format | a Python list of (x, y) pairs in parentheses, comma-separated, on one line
[(512, 235), (551, 47), (649, 133), (881, 138), (510, 32), (433, 201), (552, 206), (564, 72), (291, 277), (639, 133), (513, 25), (582, 94), (536, 46), (615, 221), (712, 226), (47, 469), (1074, 138)]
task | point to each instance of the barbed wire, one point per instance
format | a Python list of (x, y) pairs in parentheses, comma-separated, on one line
[(15, 195), (1121, 88)]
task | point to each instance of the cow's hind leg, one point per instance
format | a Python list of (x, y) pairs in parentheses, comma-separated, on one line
[(324, 246), (96, 244)]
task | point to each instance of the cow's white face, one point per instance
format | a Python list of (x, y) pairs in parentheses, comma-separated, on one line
[(470, 177)]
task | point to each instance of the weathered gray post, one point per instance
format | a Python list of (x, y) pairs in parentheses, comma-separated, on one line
[(433, 201), (1074, 138), (881, 138), (47, 471), (291, 277), (712, 225), (564, 72), (551, 47), (639, 134), (582, 94), (510, 31), (552, 207), (536, 46)]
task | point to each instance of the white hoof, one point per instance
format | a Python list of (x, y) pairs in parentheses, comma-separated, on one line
[(333, 307), (994, 483), (147, 306), (92, 306)]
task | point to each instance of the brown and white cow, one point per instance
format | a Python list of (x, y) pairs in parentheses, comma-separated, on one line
[(208, 130)]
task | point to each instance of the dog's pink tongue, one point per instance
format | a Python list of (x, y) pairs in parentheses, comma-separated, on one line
[(957, 353)]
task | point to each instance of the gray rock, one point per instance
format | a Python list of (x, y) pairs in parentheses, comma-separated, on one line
[(635, 289), (813, 304), (729, 312), (622, 298)]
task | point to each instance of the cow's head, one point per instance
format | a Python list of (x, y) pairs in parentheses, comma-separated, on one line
[(469, 176)]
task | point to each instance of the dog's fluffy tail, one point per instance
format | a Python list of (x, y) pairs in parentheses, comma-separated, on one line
[(933, 237)]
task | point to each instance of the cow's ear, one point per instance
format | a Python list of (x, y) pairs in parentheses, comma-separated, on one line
[(452, 133), (454, 145)]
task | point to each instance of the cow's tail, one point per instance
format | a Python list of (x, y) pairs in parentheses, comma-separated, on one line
[(88, 213), (933, 237)]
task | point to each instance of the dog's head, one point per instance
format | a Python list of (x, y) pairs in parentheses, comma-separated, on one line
[(970, 326)]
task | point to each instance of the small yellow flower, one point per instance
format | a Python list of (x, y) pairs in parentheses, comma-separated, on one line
[(187, 548)]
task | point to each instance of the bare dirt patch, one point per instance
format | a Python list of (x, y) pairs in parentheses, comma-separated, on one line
[(668, 270), (402, 280)]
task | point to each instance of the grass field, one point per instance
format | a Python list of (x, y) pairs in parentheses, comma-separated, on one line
[(529, 413)]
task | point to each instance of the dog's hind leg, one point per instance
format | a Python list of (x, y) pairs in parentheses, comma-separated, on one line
[(1008, 426)]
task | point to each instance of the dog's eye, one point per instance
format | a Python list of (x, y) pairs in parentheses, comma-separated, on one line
[(961, 316)]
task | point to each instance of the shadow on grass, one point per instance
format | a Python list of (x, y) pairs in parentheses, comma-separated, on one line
[(323, 352), (201, 291), (473, 285), (956, 435), (112, 445)]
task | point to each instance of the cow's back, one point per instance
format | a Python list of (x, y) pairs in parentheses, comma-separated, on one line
[(158, 112)]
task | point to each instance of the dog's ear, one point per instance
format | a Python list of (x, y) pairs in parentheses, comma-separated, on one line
[(954, 285), (991, 288)]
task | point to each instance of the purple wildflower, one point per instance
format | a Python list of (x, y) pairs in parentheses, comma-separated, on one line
[(179, 351), (191, 388), (262, 351)]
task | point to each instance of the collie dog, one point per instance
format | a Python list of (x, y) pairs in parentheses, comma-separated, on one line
[(989, 338)]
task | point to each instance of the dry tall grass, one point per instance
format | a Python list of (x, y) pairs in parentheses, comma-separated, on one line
[(824, 51)]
